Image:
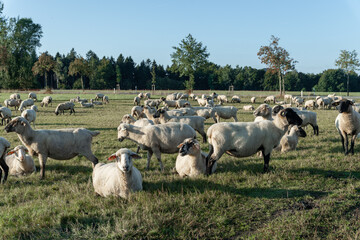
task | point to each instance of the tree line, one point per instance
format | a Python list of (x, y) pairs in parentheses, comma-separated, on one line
[(20, 67)]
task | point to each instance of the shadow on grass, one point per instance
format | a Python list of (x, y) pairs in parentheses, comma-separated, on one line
[(58, 124), (102, 129), (328, 173)]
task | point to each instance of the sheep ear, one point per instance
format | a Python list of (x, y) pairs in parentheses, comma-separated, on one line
[(180, 145), (112, 157), (11, 152), (134, 155)]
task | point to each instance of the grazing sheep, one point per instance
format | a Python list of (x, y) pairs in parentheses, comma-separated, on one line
[(201, 101), (298, 101), (95, 102), (222, 98), (347, 123), (86, 105), (192, 96), (290, 140), (74, 100), (141, 95), (137, 111), (65, 106), (196, 122), (15, 96), (190, 160), (248, 107), (287, 97), (149, 112), (310, 104), (19, 162), (268, 99), (46, 101), (205, 112), (181, 103), (12, 103), (153, 103), (147, 95), (185, 96), (105, 99), (263, 112), (324, 102), (119, 178), (99, 96), (33, 96), (5, 114), (171, 97), (61, 144), (235, 99), (136, 101), (169, 103), (174, 112), (308, 117), (225, 112), (247, 138), (35, 108), (26, 103), (253, 100), (29, 115), (4, 145), (157, 139)]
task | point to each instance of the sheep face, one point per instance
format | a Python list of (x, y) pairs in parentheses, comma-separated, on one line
[(122, 132), (158, 113), (124, 158), (127, 118), (290, 116), (300, 132), (20, 153), (189, 147), (16, 125), (345, 106), (277, 109), (262, 110)]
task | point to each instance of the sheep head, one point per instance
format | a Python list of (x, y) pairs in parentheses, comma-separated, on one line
[(124, 158), (290, 116), (20, 153), (277, 109), (17, 125), (122, 131), (345, 106), (189, 147), (158, 113), (263, 110)]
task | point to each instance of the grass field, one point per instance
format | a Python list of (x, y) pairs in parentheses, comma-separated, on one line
[(311, 193)]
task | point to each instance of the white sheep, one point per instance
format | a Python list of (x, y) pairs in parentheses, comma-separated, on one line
[(5, 114), (127, 118), (235, 99), (263, 112), (4, 145), (141, 95), (171, 97), (347, 123), (136, 101), (157, 139), (222, 98), (201, 101), (46, 101), (61, 107), (105, 99), (253, 100), (192, 96), (310, 104), (248, 107), (290, 140), (169, 103), (19, 162), (287, 97), (35, 108), (147, 95), (309, 118), (119, 178), (61, 144), (225, 112), (86, 105), (12, 103), (153, 103), (33, 96), (137, 111), (185, 96), (99, 96), (30, 115), (191, 161), (95, 102), (268, 99), (246, 138), (26, 103), (149, 112), (181, 103), (298, 101), (15, 96)]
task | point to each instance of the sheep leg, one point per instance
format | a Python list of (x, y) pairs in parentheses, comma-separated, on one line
[(203, 134), (42, 163), (266, 162), (138, 149), (235, 118), (149, 155), (158, 156), (91, 157), (346, 144), (212, 157), (342, 141), (352, 144), (5, 167)]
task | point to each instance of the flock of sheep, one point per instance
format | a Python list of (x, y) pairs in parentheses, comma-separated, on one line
[(161, 130)]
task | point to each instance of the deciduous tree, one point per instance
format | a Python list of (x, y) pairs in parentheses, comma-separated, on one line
[(348, 62)]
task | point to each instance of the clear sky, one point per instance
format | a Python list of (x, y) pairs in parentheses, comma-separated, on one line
[(312, 31)]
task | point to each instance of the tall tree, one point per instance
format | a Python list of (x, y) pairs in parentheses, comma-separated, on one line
[(187, 58), (349, 63), (79, 67), (43, 66), (277, 59)]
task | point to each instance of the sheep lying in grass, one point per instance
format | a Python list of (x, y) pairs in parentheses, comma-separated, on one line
[(46, 101), (235, 99), (290, 140), (12, 103), (5, 114), (119, 178), (4, 145), (347, 123), (19, 162), (190, 160), (61, 144), (225, 112), (95, 102), (86, 105), (33, 96), (30, 115), (26, 103), (157, 139), (65, 106), (248, 107), (247, 138)]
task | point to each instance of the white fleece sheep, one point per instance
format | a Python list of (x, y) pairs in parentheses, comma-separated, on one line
[(192, 96), (298, 101), (149, 112), (86, 105), (309, 118), (347, 123), (33, 96), (248, 107), (268, 99), (263, 112), (181, 103), (201, 101), (253, 99), (119, 178), (19, 162), (169, 103), (171, 97), (137, 111), (95, 102), (61, 107), (225, 112), (30, 115), (244, 139), (105, 99), (152, 103), (311, 104), (235, 99), (191, 161), (46, 101), (4, 145), (287, 97), (136, 101), (290, 140), (127, 118), (12, 103), (147, 95), (60, 144), (5, 114), (157, 139), (222, 98), (15, 96), (26, 103)]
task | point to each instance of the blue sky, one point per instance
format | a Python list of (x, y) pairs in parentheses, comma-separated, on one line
[(312, 31)]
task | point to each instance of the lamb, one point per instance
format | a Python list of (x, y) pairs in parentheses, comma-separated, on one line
[(105, 99), (15, 96), (46, 101), (86, 105), (4, 145), (119, 178), (263, 112), (310, 104), (324, 101), (137, 111), (248, 107), (19, 162), (247, 138), (268, 99), (235, 99), (65, 106), (225, 112), (95, 102), (190, 160), (308, 117), (163, 138), (147, 95), (222, 98), (26, 103), (29, 115), (196, 122), (136, 101), (347, 123), (99, 96), (5, 114), (61, 144), (33, 96), (12, 103), (253, 100), (290, 140)]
